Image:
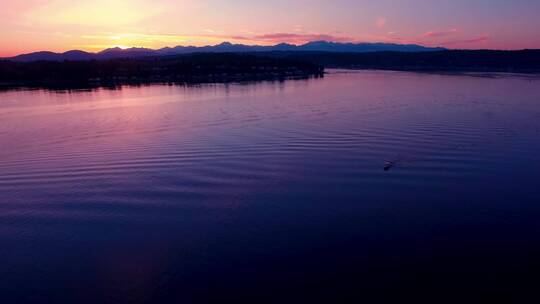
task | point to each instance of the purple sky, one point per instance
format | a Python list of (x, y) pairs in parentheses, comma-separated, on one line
[(61, 25)]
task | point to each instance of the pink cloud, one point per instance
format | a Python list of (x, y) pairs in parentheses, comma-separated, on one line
[(468, 41), (294, 38), (236, 37), (478, 39), (435, 34)]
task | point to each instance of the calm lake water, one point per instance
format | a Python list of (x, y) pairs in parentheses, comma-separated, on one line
[(272, 192)]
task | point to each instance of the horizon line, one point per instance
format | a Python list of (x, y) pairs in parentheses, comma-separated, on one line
[(121, 47)]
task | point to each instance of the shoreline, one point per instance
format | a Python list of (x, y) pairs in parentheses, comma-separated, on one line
[(192, 69), (190, 81)]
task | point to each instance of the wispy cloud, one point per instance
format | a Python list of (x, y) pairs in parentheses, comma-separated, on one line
[(436, 34), (106, 40), (475, 40), (294, 38), (453, 38)]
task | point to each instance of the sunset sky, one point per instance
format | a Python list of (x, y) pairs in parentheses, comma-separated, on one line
[(60, 25)]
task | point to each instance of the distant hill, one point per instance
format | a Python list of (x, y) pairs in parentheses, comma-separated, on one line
[(226, 47), (523, 61)]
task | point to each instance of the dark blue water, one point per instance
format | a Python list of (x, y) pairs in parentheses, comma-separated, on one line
[(273, 192)]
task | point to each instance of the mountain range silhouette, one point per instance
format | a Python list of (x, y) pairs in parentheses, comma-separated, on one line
[(225, 47)]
